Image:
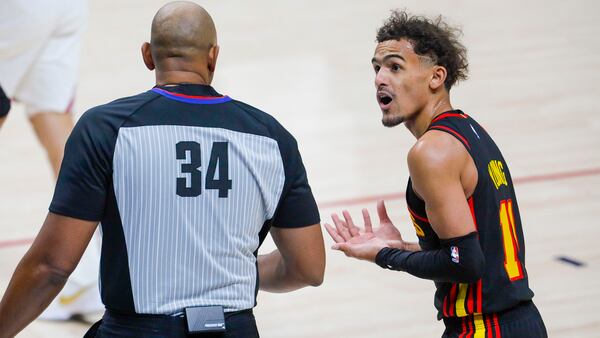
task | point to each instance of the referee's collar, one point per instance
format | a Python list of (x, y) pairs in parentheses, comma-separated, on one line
[(191, 93)]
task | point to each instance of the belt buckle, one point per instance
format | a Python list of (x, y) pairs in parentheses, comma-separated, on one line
[(202, 319)]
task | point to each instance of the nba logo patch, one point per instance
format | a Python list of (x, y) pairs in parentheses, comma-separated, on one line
[(454, 254)]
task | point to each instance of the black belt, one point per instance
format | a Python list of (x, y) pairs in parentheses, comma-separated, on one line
[(173, 326)]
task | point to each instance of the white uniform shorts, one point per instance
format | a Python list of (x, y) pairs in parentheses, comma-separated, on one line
[(40, 42)]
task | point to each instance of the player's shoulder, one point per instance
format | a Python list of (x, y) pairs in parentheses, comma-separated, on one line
[(435, 150), (272, 127)]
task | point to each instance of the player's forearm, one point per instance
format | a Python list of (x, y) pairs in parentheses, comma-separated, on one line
[(275, 275), (458, 260), (32, 287), (402, 245)]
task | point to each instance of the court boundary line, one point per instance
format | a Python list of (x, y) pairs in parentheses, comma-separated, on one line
[(520, 180), (391, 196)]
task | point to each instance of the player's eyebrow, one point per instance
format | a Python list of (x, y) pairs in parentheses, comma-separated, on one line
[(387, 57)]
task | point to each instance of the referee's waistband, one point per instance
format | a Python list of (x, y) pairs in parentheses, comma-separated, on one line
[(520, 311), (158, 322)]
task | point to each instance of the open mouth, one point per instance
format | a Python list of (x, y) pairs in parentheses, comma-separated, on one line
[(384, 99)]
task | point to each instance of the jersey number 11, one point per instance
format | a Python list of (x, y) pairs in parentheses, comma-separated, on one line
[(512, 265)]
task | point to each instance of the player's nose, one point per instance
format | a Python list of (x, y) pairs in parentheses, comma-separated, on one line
[(381, 79)]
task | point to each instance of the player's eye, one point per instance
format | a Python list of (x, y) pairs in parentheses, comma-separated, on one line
[(396, 67), (376, 68)]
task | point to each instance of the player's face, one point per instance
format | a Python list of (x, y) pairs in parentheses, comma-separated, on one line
[(401, 80)]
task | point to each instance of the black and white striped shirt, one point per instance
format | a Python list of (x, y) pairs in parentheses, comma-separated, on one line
[(186, 184)]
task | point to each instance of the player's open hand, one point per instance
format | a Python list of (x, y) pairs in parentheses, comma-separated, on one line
[(364, 243)]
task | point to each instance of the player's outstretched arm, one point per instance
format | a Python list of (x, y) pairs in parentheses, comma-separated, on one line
[(299, 260), (43, 271)]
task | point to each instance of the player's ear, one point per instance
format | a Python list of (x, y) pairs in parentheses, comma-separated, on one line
[(213, 54), (147, 56), (438, 77)]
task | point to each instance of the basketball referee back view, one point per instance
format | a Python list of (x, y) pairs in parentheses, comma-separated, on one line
[(186, 183)]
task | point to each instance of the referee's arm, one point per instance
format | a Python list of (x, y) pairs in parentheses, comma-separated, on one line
[(299, 260), (76, 209), (43, 271)]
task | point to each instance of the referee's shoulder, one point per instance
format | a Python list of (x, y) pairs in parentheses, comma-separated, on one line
[(124, 105), (274, 129), (115, 112)]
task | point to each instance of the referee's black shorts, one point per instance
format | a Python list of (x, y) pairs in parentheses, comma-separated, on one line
[(117, 325), (522, 321)]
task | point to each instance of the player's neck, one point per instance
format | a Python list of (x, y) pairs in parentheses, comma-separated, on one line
[(418, 126)]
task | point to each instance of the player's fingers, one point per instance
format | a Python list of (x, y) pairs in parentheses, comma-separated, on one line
[(341, 227), (354, 231), (382, 212), (367, 219), (333, 233)]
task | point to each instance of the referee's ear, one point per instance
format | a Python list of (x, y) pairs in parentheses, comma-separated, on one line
[(213, 54), (147, 56)]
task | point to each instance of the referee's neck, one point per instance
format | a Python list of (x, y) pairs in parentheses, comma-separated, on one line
[(173, 77)]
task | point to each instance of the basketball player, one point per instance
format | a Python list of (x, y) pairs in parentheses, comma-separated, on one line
[(186, 183), (460, 194), (39, 60)]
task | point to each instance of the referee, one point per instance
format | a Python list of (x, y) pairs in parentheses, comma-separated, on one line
[(186, 183)]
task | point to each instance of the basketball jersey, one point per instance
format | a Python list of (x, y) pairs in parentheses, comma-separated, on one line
[(496, 216), (186, 184)]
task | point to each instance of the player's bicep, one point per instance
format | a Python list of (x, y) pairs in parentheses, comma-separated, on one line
[(435, 171), (448, 211)]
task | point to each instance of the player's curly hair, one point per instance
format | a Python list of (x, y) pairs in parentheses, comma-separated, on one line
[(430, 38)]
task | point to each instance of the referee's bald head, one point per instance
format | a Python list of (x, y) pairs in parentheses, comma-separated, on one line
[(183, 42), (182, 29)]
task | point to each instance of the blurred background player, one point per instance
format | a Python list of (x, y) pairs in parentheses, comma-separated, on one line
[(39, 60)]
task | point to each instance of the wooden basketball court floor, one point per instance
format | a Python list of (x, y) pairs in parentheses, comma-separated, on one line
[(534, 84)]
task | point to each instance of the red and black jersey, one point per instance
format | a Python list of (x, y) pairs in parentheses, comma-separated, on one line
[(496, 215)]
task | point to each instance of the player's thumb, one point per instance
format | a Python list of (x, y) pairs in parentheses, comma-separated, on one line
[(382, 212), (341, 247)]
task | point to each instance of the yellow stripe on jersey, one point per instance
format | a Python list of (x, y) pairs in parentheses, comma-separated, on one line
[(479, 326), (418, 229), (460, 300)]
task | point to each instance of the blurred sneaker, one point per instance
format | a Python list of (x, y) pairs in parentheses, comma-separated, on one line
[(76, 304)]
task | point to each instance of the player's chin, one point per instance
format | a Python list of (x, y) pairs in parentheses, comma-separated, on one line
[(391, 120)]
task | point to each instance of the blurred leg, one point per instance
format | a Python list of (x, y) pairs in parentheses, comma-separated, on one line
[(53, 129), (4, 106)]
